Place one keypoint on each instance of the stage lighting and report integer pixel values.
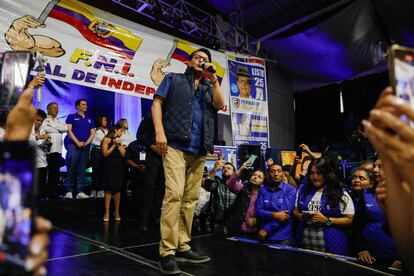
(155, 8)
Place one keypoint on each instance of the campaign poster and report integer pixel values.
(248, 100)
(228, 154)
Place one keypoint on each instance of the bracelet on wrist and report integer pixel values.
(214, 82)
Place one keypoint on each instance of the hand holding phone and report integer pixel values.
(299, 153)
(307, 215)
(401, 62)
(219, 164)
(17, 199)
(251, 160)
(14, 73)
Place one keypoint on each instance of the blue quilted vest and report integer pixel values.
(379, 243)
(336, 239)
(178, 109)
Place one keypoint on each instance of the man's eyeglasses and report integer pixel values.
(358, 176)
(200, 57)
(246, 82)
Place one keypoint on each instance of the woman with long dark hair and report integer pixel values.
(324, 209)
(126, 137)
(370, 241)
(102, 126)
(112, 169)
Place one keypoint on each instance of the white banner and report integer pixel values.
(248, 96)
(87, 46)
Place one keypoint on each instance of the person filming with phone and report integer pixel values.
(222, 197)
(18, 127)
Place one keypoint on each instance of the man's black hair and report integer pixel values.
(41, 113)
(77, 103)
(205, 51)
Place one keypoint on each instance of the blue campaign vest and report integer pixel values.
(379, 243)
(336, 239)
(178, 109)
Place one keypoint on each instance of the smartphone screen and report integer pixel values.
(14, 73)
(17, 197)
(402, 74)
(252, 158)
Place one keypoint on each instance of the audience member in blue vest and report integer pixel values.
(274, 207)
(361, 180)
(324, 209)
(370, 241)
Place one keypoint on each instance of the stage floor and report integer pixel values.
(82, 244)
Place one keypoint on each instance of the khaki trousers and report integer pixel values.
(183, 176)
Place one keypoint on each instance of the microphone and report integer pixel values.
(202, 64)
(42, 72)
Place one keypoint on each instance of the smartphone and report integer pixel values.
(299, 152)
(17, 200)
(251, 160)
(401, 63)
(308, 212)
(15, 67)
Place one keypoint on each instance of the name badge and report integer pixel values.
(142, 156)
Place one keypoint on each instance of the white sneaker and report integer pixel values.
(82, 195)
(69, 195)
(93, 193)
(101, 194)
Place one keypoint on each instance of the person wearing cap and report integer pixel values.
(183, 115)
(243, 82)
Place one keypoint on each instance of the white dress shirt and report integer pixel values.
(55, 128)
(99, 136)
(41, 161)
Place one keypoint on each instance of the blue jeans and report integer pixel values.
(77, 160)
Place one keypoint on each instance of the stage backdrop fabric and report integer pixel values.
(93, 48)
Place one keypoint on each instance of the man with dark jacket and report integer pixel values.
(183, 114)
(222, 197)
(152, 190)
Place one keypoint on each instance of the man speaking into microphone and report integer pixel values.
(183, 114)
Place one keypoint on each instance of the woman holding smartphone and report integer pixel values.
(240, 217)
(112, 169)
(324, 209)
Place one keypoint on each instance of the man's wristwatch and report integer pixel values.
(328, 222)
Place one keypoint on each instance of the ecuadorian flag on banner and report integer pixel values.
(103, 34)
(183, 51)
